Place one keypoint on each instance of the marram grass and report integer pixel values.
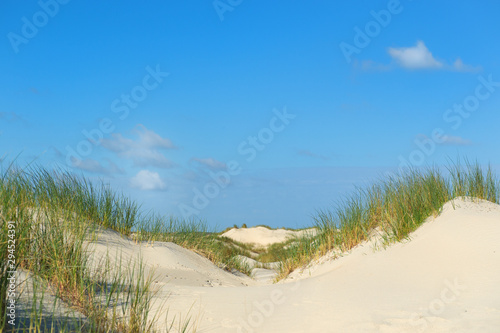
(55, 215)
(396, 205)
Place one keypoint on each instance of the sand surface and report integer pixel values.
(262, 236)
(445, 279)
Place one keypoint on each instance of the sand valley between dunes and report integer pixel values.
(445, 278)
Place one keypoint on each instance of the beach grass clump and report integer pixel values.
(395, 206)
(58, 189)
(471, 181)
(54, 215)
(408, 199)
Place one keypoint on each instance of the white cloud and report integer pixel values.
(455, 140)
(148, 181)
(143, 152)
(211, 163)
(416, 57)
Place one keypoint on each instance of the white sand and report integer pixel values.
(262, 236)
(52, 311)
(445, 279)
(172, 263)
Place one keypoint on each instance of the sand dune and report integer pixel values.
(262, 236)
(172, 263)
(445, 279)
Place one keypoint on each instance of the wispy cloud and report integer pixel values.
(210, 163)
(94, 166)
(151, 139)
(455, 141)
(459, 66)
(308, 153)
(448, 140)
(144, 151)
(148, 181)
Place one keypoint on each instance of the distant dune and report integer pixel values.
(262, 236)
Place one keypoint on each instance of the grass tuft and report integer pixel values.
(397, 206)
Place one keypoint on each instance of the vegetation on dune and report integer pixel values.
(56, 213)
(396, 205)
(194, 235)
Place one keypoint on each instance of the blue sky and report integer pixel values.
(247, 111)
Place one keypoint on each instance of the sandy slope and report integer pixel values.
(446, 279)
(172, 263)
